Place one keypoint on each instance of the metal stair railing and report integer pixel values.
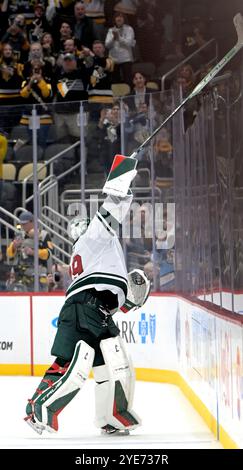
(64, 201)
(57, 236)
(49, 163)
(187, 60)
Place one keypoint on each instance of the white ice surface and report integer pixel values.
(169, 420)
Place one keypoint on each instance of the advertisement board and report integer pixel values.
(15, 338)
(147, 332)
(174, 339)
(230, 378)
(45, 314)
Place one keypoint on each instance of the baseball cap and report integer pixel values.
(26, 217)
(69, 56)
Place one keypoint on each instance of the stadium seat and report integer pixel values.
(28, 169)
(25, 153)
(52, 135)
(152, 85)
(9, 196)
(19, 132)
(120, 89)
(9, 171)
(67, 160)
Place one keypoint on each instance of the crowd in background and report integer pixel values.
(56, 54)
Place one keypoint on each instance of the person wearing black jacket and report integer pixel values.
(72, 81)
(83, 27)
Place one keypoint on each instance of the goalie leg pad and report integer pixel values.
(115, 387)
(56, 397)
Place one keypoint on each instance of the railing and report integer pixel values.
(73, 196)
(51, 180)
(187, 60)
(59, 238)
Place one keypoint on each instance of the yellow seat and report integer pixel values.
(27, 170)
(9, 171)
(163, 182)
(120, 89)
(152, 85)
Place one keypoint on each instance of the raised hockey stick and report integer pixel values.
(238, 22)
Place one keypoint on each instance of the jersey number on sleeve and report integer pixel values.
(77, 266)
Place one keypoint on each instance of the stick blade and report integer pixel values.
(238, 22)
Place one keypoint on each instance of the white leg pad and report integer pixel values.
(57, 396)
(115, 387)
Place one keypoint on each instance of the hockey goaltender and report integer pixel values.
(87, 337)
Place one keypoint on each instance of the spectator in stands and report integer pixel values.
(39, 24)
(110, 123)
(37, 89)
(128, 8)
(58, 279)
(103, 138)
(17, 38)
(72, 82)
(120, 41)
(36, 54)
(194, 38)
(65, 32)
(100, 69)
(4, 271)
(21, 251)
(163, 155)
(95, 11)
(186, 71)
(10, 86)
(149, 30)
(3, 152)
(137, 128)
(70, 47)
(13, 8)
(140, 92)
(48, 49)
(83, 26)
(59, 10)
(186, 81)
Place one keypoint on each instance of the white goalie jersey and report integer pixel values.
(97, 260)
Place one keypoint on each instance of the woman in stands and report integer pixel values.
(140, 93)
(120, 41)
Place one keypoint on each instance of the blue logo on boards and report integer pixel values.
(147, 327)
(152, 327)
(54, 322)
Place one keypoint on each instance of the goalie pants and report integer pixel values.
(81, 319)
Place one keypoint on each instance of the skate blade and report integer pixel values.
(117, 432)
(37, 427)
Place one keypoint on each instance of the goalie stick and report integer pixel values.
(238, 22)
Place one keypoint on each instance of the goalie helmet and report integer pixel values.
(78, 227)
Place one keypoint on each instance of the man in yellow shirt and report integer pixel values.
(21, 250)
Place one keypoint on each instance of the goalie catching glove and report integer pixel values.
(123, 171)
(138, 290)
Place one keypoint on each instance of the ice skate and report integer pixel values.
(38, 427)
(108, 429)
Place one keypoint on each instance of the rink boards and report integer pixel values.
(171, 339)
